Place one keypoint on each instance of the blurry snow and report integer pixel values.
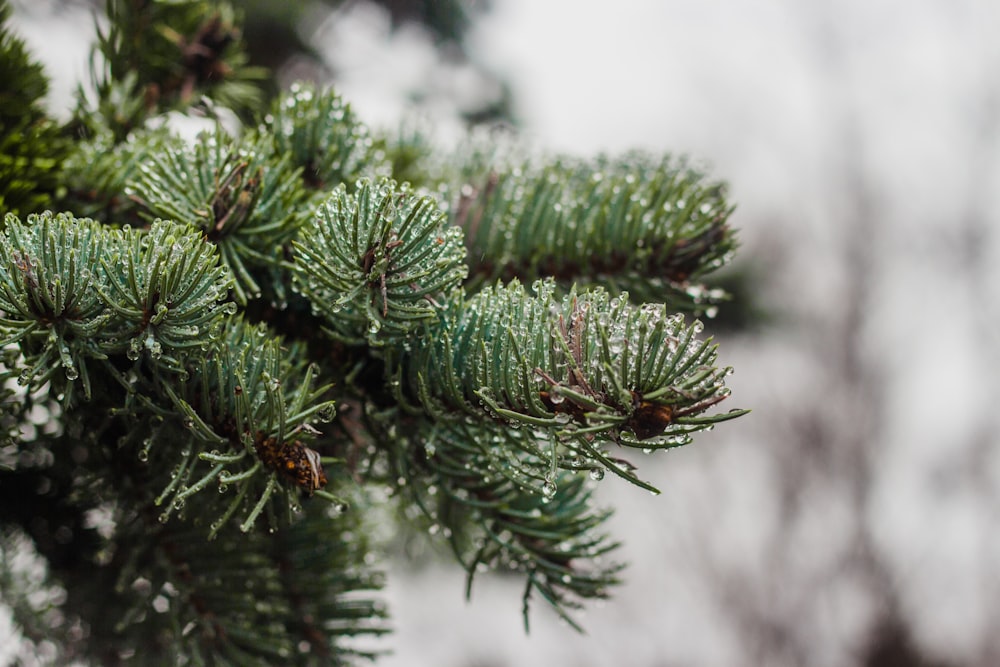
(60, 35)
(389, 75)
(860, 140)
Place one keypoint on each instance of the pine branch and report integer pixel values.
(374, 264)
(243, 197)
(158, 56)
(651, 227)
(184, 445)
(588, 368)
(48, 297)
(166, 287)
(503, 510)
(249, 410)
(323, 136)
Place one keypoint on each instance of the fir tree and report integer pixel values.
(224, 358)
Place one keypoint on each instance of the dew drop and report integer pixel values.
(597, 474)
(549, 489)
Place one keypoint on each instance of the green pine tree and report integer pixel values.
(225, 359)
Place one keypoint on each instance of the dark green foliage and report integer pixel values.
(322, 135)
(501, 508)
(578, 367)
(31, 148)
(159, 56)
(652, 227)
(136, 317)
(160, 594)
(374, 264)
(243, 196)
(49, 297)
(96, 172)
(228, 351)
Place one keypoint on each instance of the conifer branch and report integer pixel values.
(651, 227)
(323, 136)
(504, 509)
(257, 401)
(374, 264)
(241, 195)
(199, 431)
(582, 367)
(158, 56)
(49, 269)
(166, 288)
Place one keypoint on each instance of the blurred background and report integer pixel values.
(853, 518)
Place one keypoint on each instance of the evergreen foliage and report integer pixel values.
(649, 226)
(157, 56)
(320, 133)
(223, 356)
(374, 263)
(241, 195)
